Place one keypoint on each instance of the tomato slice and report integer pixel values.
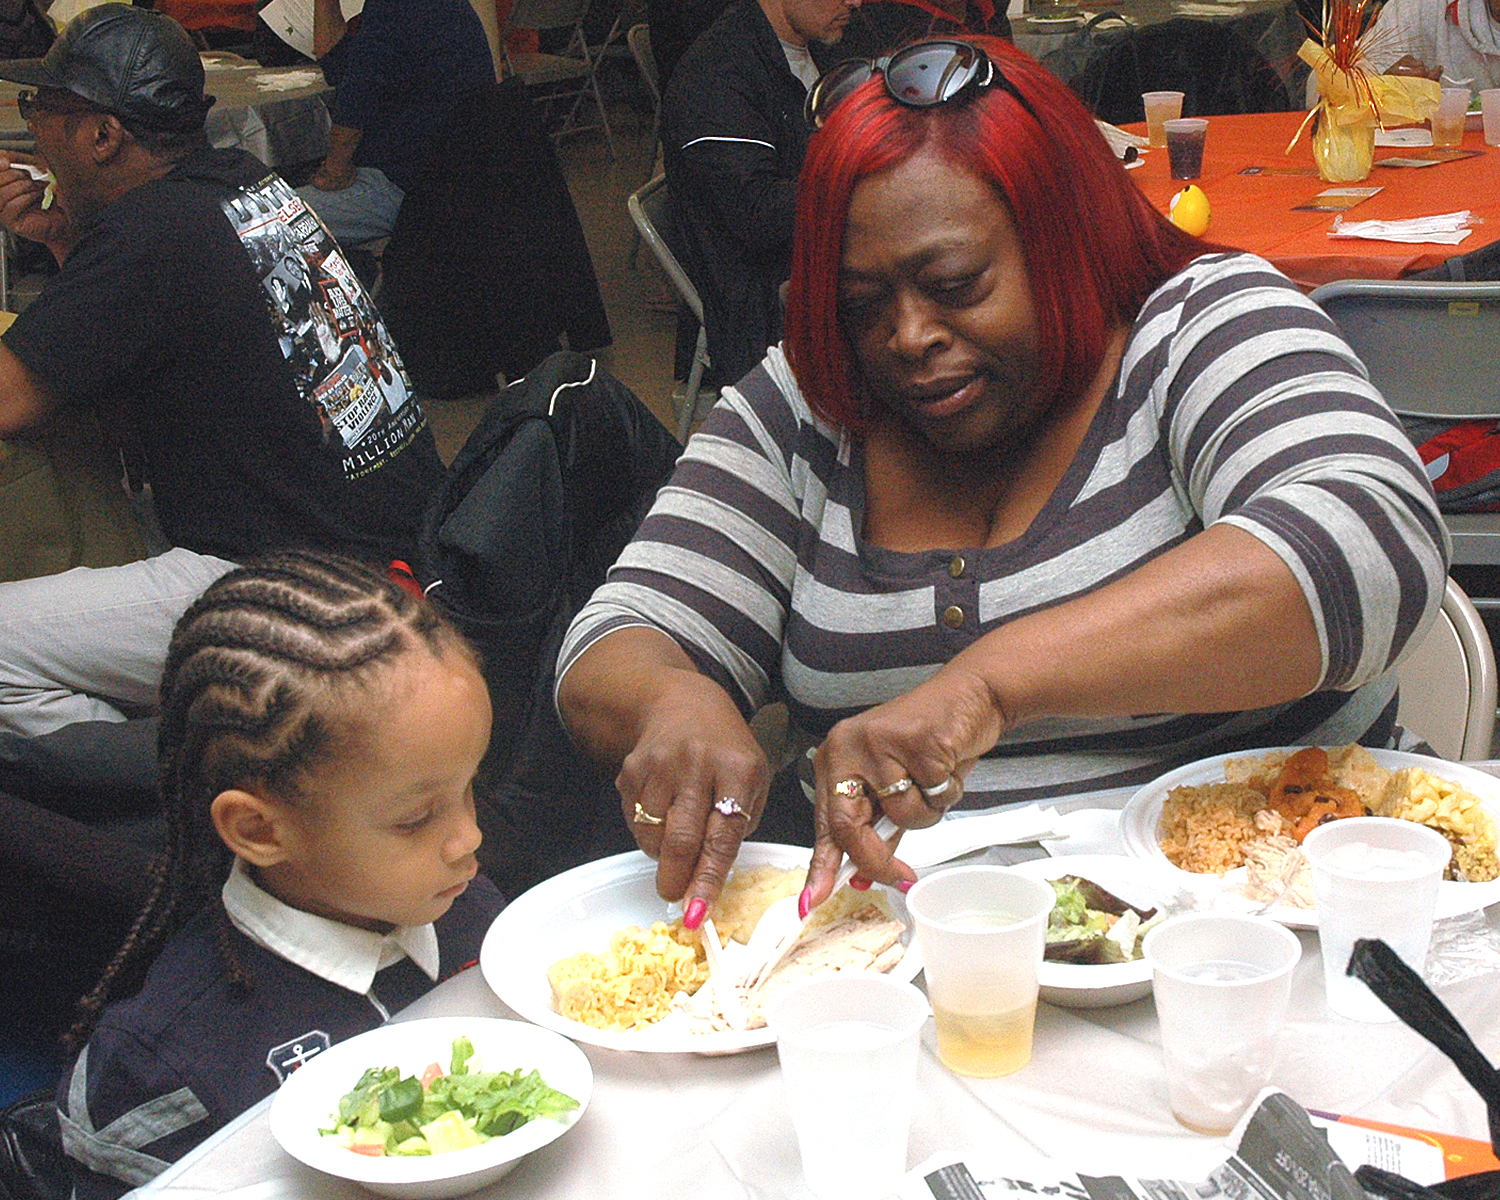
(433, 1072)
(372, 1149)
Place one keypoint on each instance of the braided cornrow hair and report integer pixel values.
(250, 694)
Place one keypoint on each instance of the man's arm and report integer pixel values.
(24, 401)
(328, 26)
(337, 171)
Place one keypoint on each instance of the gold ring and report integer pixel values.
(894, 789)
(849, 789)
(642, 817)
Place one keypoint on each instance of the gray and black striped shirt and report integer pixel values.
(1236, 402)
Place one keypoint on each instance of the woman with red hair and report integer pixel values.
(1041, 496)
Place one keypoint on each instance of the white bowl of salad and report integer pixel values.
(432, 1108)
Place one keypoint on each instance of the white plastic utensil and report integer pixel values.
(783, 926)
(37, 173)
(724, 984)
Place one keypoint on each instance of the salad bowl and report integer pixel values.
(308, 1100)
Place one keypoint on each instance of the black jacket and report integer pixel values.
(734, 140)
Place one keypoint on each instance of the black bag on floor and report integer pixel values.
(32, 1164)
(535, 508)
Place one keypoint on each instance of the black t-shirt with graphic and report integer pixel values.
(214, 313)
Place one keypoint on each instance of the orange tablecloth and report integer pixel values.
(1257, 212)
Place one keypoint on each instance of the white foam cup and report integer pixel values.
(1489, 104)
(1222, 982)
(848, 1045)
(1373, 877)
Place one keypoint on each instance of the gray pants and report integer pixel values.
(89, 644)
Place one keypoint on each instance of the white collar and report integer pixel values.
(331, 950)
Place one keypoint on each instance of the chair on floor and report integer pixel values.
(559, 81)
(1429, 346)
(639, 40)
(650, 210)
(1448, 683)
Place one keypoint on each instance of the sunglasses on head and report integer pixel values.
(922, 75)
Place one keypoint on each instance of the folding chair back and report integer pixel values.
(559, 82)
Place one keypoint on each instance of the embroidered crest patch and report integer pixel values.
(287, 1057)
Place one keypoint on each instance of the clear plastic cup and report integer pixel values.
(1448, 121)
(1489, 105)
(848, 1045)
(1185, 138)
(1160, 106)
(1373, 877)
(982, 931)
(1222, 982)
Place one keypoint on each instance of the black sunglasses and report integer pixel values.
(922, 75)
(31, 103)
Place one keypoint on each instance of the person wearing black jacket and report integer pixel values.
(734, 138)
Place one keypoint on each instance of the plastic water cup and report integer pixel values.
(1489, 102)
(1185, 137)
(1448, 121)
(982, 931)
(1160, 106)
(1222, 982)
(1373, 877)
(848, 1045)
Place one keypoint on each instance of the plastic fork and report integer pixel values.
(723, 983)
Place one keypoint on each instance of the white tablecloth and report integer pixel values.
(1094, 1096)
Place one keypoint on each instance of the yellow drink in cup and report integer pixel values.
(981, 931)
(1447, 131)
(1160, 107)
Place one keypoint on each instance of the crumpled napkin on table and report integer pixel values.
(285, 81)
(1447, 229)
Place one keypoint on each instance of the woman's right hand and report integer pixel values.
(694, 758)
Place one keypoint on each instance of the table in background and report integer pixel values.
(1258, 212)
(1093, 1096)
(1274, 27)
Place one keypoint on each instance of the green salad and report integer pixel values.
(1091, 926)
(388, 1113)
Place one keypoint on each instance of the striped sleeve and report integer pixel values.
(714, 560)
(1275, 428)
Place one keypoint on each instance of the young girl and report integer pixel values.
(320, 730)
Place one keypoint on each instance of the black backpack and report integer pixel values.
(535, 508)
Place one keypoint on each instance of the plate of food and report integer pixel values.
(1235, 821)
(432, 1108)
(1105, 905)
(596, 955)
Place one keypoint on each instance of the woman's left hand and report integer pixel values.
(906, 758)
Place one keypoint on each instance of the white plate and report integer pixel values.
(579, 909)
(1142, 814)
(1136, 881)
(307, 1100)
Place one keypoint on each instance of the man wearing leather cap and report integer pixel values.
(202, 305)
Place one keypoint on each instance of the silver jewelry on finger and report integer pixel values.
(849, 789)
(731, 807)
(929, 794)
(642, 817)
(894, 789)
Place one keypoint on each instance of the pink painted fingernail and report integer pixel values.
(859, 883)
(697, 909)
(905, 886)
(804, 903)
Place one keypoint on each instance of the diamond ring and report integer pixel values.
(731, 807)
(642, 817)
(894, 789)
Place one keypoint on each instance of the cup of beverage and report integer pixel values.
(848, 1045)
(1373, 877)
(1489, 105)
(1222, 982)
(982, 931)
(1185, 138)
(1448, 121)
(1160, 106)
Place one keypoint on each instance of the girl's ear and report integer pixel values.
(252, 827)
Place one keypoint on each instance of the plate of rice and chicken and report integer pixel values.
(596, 955)
(1240, 818)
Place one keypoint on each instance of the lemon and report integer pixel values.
(1189, 210)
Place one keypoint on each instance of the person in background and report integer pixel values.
(214, 24)
(880, 26)
(1040, 496)
(733, 139)
(161, 316)
(675, 25)
(320, 732)
(395, 75)
(1454, 41)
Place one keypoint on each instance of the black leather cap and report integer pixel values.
(139, 64)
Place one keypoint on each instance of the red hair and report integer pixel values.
(1094, 246)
